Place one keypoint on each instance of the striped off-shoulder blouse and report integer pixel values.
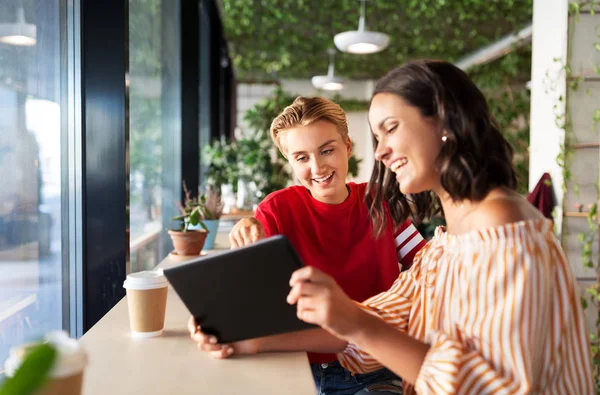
(500, 310)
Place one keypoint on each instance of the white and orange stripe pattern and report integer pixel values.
(500, 310)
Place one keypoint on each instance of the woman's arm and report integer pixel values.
(503, 352)
(320, 300)
(310, 340)
(392, 348)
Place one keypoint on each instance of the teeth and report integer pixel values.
(398, 164)
(327, 177)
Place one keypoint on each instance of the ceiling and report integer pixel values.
(278, 39)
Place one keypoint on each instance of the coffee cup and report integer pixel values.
(147, 302)
(66, 374)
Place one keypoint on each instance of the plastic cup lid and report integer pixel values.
(71, 358)
(150, 279)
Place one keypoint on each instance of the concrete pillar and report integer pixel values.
(548, 84)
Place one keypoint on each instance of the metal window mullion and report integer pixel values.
(73, 171)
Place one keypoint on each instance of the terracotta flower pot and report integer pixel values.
(188, 243)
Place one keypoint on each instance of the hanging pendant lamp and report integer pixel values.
(19, 32)
(361, 41)
(328, 82)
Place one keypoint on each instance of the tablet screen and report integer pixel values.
(241, 293)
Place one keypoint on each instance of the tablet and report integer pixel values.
(241, 293)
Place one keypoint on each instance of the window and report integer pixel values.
(153, 34)
(33, 163)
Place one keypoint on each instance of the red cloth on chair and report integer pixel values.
(542, 196)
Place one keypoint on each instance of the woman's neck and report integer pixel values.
(457, 213)
(340, 197)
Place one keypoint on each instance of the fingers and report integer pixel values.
(233, 239)
(308, 315)
(218, 351)
(192, 326)
(222, 353)
(255, 234)
(246, 231)
(208, 343)
(309, 273)
(212, 347)
(304, 290)
(202, 338)
(308, 310)
(246, 237)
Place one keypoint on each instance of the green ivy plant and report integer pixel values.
(220, 158)
(503, 83)
(274, 39)
(259, 163)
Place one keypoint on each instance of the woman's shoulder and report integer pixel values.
(503, 209)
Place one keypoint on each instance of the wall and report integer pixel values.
(549, 41)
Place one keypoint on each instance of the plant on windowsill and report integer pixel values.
(188, 241)
(211, 209)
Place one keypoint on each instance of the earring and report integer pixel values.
(444, 138)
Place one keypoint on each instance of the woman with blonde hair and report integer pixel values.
(327, 221)
(490, 304)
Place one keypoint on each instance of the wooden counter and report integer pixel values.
(172, 364)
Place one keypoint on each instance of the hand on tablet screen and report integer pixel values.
(246, 231)
(320, 300)
(210, 343)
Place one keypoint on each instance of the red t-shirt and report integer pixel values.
(338, 239)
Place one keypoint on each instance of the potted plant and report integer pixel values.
(188, 241)
(211, 209)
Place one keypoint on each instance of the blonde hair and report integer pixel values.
(305, 111)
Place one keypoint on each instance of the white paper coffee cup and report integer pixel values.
(66, 374)
(147, 302)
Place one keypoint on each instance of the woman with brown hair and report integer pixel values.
(490, 304)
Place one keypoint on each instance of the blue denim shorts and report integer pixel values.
(332, 379)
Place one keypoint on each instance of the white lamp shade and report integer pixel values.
(361, 42)
(328, 83)
(18, 33)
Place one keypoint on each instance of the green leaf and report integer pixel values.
(584, 303)
(593, 210)
(574, 8)
(195, 216)
(32, 373)
(596, 117)
(203, 225)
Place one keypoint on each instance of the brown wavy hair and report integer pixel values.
(474, 159)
